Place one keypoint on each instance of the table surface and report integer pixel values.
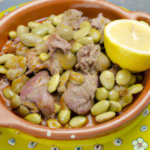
(133, 5)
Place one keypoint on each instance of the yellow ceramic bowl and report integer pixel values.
(70, 139)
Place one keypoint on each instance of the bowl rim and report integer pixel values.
(131, 113)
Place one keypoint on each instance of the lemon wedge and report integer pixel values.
(127, 43)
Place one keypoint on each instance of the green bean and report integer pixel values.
(101, 93)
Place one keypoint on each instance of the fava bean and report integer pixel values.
(41, 47)
(8, 92)
(21, 49)
(18, 83)
(65, 32)
(134, 89)
(12, 34)
(100, 107)
(53, 83)
(53, 123)
(33, 25)
(22, 30)
(23, 111)
(125, 100)
(105, 117)
(64, 116)
(133, 80)
(76, 46)
(45, 37)
(57, 108)
(107, 79)
(139, 77)
(67, 126)
(103, 63)
(121, 90)
(41, 30)
(101, 93)
(67, 60)
(113, 95)
(12, 74)
(44, 56)
(51, 18)
(63, 81)
(30, 39)
(123, 77)
(56, 19)
(34, 118)
(115, 106)
(83, 31)
(85, 40)
(15, 101)
(3, 70)
(76, 77)
(78, 121)
(5, 57)
(95, 35)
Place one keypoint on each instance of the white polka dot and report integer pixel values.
(49, 133)
(73, 136)
(134, 142)
(140, 140)
(144, 145)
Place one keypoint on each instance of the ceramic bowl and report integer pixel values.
(131, 116)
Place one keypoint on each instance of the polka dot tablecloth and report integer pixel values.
(137, 139)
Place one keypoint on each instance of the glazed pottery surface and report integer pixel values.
(104, 132)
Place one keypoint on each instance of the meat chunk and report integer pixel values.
(35, 91)
(87, 58)
(55, 42)
(35, 64)
(81, 98)
(72, 17)
(99, 23)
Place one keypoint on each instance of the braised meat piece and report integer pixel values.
(73, 18)
(81, 98)
(99, 23)
(35, 64)
(55, 42)
(35, 91)
(87, 58)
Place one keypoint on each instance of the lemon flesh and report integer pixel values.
(127, 43)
